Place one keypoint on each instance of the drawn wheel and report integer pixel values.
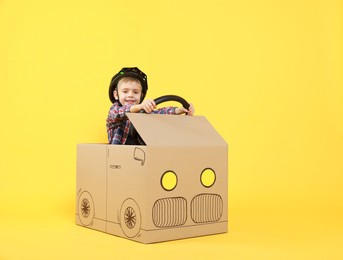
(85, 207)
(130, 218)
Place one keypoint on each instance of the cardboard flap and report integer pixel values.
(157, 129)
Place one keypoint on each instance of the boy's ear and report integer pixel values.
(115, 94)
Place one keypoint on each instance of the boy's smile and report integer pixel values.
(130, 102)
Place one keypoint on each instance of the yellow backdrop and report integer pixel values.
(267, 74)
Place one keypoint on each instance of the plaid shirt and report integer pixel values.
(118, 124)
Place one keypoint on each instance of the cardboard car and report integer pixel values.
(174, 187)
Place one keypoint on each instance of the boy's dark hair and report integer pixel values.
(133, 72)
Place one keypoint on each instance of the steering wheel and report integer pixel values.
(159, 100)
(167, 98)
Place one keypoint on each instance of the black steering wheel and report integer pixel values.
(137, 139)
(167, 98)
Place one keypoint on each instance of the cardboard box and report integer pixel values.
(175, 186)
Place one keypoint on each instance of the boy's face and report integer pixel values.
(128, 92)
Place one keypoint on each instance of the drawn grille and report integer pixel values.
(206, 208)
(169, 212)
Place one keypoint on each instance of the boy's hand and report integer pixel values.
(148, 105)
(182, 110)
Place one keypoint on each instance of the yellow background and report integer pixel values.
(267, 74)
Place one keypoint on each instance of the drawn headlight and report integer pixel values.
(169, 180)
(208, 177)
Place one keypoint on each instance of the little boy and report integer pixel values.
(127, 92)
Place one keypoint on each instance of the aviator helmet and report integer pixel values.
(133, 72)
